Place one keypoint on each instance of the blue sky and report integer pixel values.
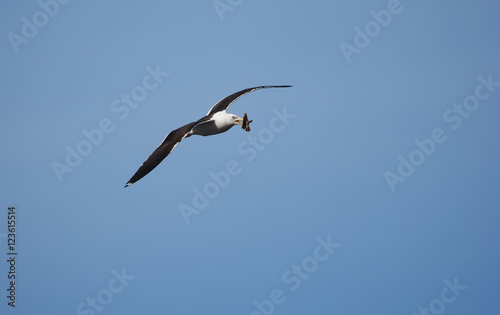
(370, 187)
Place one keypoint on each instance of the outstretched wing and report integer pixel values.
(164, 149)
(224, 103)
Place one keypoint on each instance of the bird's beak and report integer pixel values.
(239, 121)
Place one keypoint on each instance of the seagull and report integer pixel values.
(216, 121)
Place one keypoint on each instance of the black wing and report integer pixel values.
(224, 103)
(164, 149)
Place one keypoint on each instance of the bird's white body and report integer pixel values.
(220, 122)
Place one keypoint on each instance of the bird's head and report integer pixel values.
(237, 120)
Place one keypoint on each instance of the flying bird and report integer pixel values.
(216, 121)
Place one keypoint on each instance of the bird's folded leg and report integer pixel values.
(246, 123)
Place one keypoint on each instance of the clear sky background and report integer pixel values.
(369, 99)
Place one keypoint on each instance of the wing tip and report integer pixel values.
(277, 86)
(128, 184)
